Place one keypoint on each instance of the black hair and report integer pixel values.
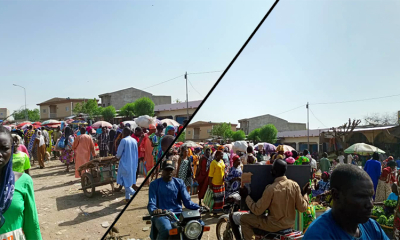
(294, 154)
(165, 125)
(160, 127)
(375, 156)
(391, 163)
(394, 189)
(249, 149)
(167, 140)
(139, 129)
(345, 176)
(126, 131)
(82, 130)
(325, 155)
(305, 152)
(280, 167)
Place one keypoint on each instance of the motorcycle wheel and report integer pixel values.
(224, 230)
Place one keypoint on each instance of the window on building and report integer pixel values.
(44, 110)
(1, 114)
(188, 132)
(208, 130)
(66, 109)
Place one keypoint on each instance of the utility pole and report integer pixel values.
(26, 112)
(187, 98)
(308, 127)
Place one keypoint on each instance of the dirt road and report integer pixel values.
(131, 225)
(64, 211)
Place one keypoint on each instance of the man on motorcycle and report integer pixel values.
(281, 199)
(167, 193)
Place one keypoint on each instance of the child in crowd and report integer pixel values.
(394, 195)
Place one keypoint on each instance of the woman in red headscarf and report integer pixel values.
(385, 182)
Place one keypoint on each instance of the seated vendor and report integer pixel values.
(394, 195)
(322, 186)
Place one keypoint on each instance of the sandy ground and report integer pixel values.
(131, 225)
(64, 211)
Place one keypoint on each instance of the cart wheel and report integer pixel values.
(117, 187)
(88, 186)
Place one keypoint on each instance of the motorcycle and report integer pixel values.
(187, 227)
(226, 233)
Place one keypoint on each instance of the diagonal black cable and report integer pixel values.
(201, 95)
(201, 104)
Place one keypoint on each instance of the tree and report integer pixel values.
(268, 133)
(238, 135)
(90, 107)
(178, 101)
(33, 115)
(385, 119)
(254, 135)
(340, 133)
(143, 106)
(182, 137)
(128, 110)
(222, 130)
(108, 113)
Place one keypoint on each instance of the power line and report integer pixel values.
(163, 82)
(290, 110)
(359, 100)
(205, 72)
(195, 89)
(179, 77)
(317, 118)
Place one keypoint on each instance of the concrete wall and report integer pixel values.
(203, 134)
(297, 126)
(120, 98)
(260, 121)
(174, 113)
(160, 100)
(4, 112)
(298, 140)
(61, 111)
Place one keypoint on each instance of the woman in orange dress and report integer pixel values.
(83, 147)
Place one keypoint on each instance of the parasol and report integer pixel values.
(191, 144)
(101, 124)
(51, 122)
(363, 149)
(269, 148)
(76, 122)
(287, 148)
(69, 121)
(23, 124)
(171, 122)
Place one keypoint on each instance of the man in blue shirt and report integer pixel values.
(167, 193)
(374, 167)
(349, 218)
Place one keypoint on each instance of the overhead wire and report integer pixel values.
(195, 89)
(317, 118)
(290, 110)
(359, 100)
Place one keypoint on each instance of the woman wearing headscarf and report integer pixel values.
(31, 149)
(322, 186)
(216, 181)
(148, 160)
(83, 148)
(185, 170)
(387, 178)
(18, 214)
(202, 175)
(67, 154)
(40, 144)
(169, 130)
(21, 161)
(289, 159)
(233, 179)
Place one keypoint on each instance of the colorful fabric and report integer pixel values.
(21, 217)
(234, 186)
(209, 199)
(185, 172)
(219, 195)
(6, 190)
(217, 172)
(373, 168)
(66, 156)
(83, 148)
(30, 145)
(383, 190)
(202, 177)
(168, 128)
(21, 162)
(323, 186)
(393, 196)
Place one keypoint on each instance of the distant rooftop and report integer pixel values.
(177, 106)
(61, 100)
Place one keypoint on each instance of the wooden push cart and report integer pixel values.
(99, 172)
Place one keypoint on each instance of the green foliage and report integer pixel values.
(255, 135)
(128, 110)
(382, 220)
(108, 113)
(377, 211)
(182, 137)
(33, 115)
(268, 133)
(238, 135)
(90, 107)
(143, 106)
(390, 221)
(222, 130)
(390, 203)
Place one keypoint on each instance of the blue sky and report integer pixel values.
(86, 48)
(316, 51)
